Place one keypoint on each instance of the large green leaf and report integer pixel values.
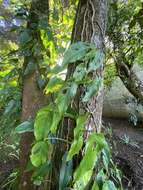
(64, 99)
(39, 153)
(26, 126)
(78, 140)
(75, 148)
(99, 139)
(91, 154)
(76, 52)
(92, 89)
(86, 165)
(43, 123)
(80, 123)
(65, 172)
(55, 122)
(79, 73)
(83, 181)
(63, 102)
(96, 62)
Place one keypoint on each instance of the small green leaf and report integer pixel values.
(71, 92)
(96, 62)
(12, 74)
(78, 140)
(26, 126)
(39, 153)
(91, 54)
(9, 107)
(42, 170)
(65, 172)
(75, 148)
(80, 123)
(54, 85)
(24, 37)
(95, 186)
(101, 177)
(109, 185)
(106, 157)
(92, 89)
(56, 119)
(79, 73)
(43, 123)
(63, 102)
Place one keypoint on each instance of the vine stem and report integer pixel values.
(59, 139)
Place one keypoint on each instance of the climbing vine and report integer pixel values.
(49, 119)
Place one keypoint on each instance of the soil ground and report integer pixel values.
(128, 151)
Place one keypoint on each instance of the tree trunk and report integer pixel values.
(89, 26)
(32, 96)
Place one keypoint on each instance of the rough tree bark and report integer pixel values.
(89, 26)
(32, 96)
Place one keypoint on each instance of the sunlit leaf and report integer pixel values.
(95, 186)
(43, 123)
(54, 85)
(55, 122)
(75, 148)
(39, 153)
(83, 181)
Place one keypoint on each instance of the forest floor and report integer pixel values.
(127, 142)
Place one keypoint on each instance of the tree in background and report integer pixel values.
(32, 96)
(125, 34)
